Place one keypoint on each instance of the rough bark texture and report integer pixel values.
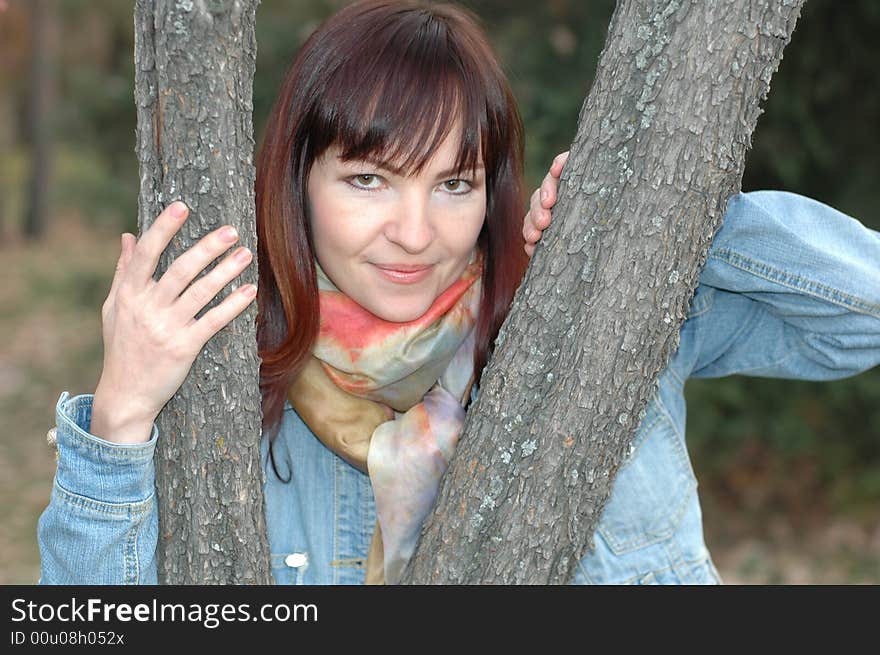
(194, 62)
(660, 147)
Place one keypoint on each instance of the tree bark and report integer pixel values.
(660, 148)
(194, 62)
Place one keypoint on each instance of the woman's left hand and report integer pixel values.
(538, 217)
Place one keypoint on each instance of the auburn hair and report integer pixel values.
(383, 80)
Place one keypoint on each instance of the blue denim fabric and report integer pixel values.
(791, 289)
(101, 524)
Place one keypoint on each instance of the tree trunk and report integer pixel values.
(660, 147)
(38, 121)
(194, 69)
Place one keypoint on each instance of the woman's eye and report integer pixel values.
(457, 187)
(364, 181)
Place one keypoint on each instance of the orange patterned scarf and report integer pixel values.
(388, 398)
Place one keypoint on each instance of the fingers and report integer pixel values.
(531, 232)
(558, 163)
(207, 287)
(154, 241)
(543, 199)
(536, 220)
(550, 183)
(221, 315)
(190, 264)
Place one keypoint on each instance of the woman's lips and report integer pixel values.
(409, 276)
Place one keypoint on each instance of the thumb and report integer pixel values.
(128, 243)
(124, 256)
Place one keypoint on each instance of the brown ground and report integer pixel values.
(50, 341)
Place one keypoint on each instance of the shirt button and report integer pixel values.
(296, 560)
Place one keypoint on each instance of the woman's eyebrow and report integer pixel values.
(455, 171)
(371, 161)
(387, 167)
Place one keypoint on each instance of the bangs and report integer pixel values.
(397, 95)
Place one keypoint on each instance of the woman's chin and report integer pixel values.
(399, 313)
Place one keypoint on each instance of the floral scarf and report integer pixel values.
(389, 399)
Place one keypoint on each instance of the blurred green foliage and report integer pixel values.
(818, 136)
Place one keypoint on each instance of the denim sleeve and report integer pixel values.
(101, 524)
(790, 289)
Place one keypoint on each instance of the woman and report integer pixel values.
(389, 221)
(387, 191)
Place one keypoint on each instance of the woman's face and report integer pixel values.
(366, 222)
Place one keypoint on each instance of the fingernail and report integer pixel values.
(178, 209)
(544, 194)
(228, 233)
(243, 255)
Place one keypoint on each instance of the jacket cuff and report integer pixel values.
(95, 468)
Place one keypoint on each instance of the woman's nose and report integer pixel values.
(410, 226)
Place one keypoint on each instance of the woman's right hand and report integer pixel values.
(151, 336)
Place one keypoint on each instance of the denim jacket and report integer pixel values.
(790, 289)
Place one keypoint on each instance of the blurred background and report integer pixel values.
(789, 471)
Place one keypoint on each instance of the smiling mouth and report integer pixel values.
(404, 275)
(404, 268)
